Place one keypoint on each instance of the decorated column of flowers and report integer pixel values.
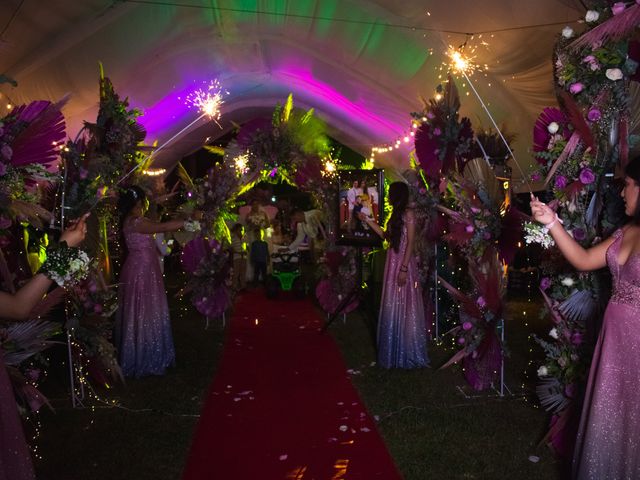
(577, 147)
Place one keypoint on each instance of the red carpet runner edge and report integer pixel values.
(282, 405)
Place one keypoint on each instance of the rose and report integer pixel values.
(545, 283)
(594, 115)
(576, 87)
(6, 152)
(592, 16)
(587, 176)
(553, 128)
(579, 234)
(561, 182)
(576, 338)
(567, 32)
(553, 333)
(469, 228)
(543, 371)
(567, 281)
(467, 326)
(618, 7)
(614, 74)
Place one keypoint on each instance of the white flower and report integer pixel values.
(592, 16)
(537, 233)
(192, 226)
(567, 282)
(614, 74)
(553, 127)
(543, 371)
(567, 32)
(553, 333)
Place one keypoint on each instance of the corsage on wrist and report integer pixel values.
(404, 268)
(65, 265)
(192, 226)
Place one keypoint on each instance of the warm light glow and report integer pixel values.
(329, 166)
(208, 100)
(154, 172)
(242, 163)
(438, 97)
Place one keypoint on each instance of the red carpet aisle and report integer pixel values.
(282, 405)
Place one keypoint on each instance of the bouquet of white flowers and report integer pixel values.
(192, 226)
(65, 265)
(537, 233)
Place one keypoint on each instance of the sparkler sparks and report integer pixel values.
(208, 100)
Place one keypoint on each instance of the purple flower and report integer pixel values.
(469, 228)
(486, 235)
(461, 340)
(594, 115)
(589, 59)
(84, 173)
(430, 116)
(437, 132)
(422, 191)
(576, 87)
(6, 152)
(3, 169)
(561, 182)
(617, 8)
(587, 176)
(481, 302)
(576, 338)
(579, 234)
(467, 326)
(5, 223)
(97, 308)
(536, 177)
(545, 283)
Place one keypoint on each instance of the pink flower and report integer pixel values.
(469, 228)
(587, 177)
(461, 340)
(618, 7)
(545, 283)
(594, 115)
(84, 173)
(481, 302)
(576, 87)
(576, 338)
(467, 326)
(536, 177)
(437, 132)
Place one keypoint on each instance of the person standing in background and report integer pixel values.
(259, 257)
(239, 252)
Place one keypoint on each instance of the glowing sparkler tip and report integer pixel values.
(209, 100)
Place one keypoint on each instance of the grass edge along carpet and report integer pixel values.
(282, 405)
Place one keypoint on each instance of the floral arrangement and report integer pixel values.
(576, 146)
(442, 140)
(29, 138)
(209, 267)
(65, 265)
(537, 233)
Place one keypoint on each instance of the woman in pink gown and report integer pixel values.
(402, 334)
(15, 459)
(143, 328)
(609, 434)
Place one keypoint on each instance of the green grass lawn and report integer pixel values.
(431, 428)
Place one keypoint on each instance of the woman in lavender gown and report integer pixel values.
(143, 328)
(609, 433)
(402, 336)
(15, 459)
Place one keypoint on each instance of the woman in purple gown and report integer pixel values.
(143, 328)
(609, 433)
(15, 459)
(402, 335)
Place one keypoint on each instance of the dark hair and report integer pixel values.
(128, 199)
(237, 227)
(632, 170)
(398, 199)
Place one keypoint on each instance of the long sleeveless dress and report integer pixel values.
(15, 459)
(608, 442)
(143, 328)
(402, 334)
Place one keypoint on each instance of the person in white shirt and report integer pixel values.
(310, 226)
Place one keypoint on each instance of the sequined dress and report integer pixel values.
(15, 459)
(143, 328)
(609, 436)
(402, 335)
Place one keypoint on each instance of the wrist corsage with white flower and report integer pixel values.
(65, 265)
(538, 233)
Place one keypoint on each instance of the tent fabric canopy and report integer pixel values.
(363, 65)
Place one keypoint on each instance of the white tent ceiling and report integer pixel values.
(363, 65)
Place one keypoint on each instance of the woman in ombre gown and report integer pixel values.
(609, 434)
(402, 335)
(143, 327)
(15, 459)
